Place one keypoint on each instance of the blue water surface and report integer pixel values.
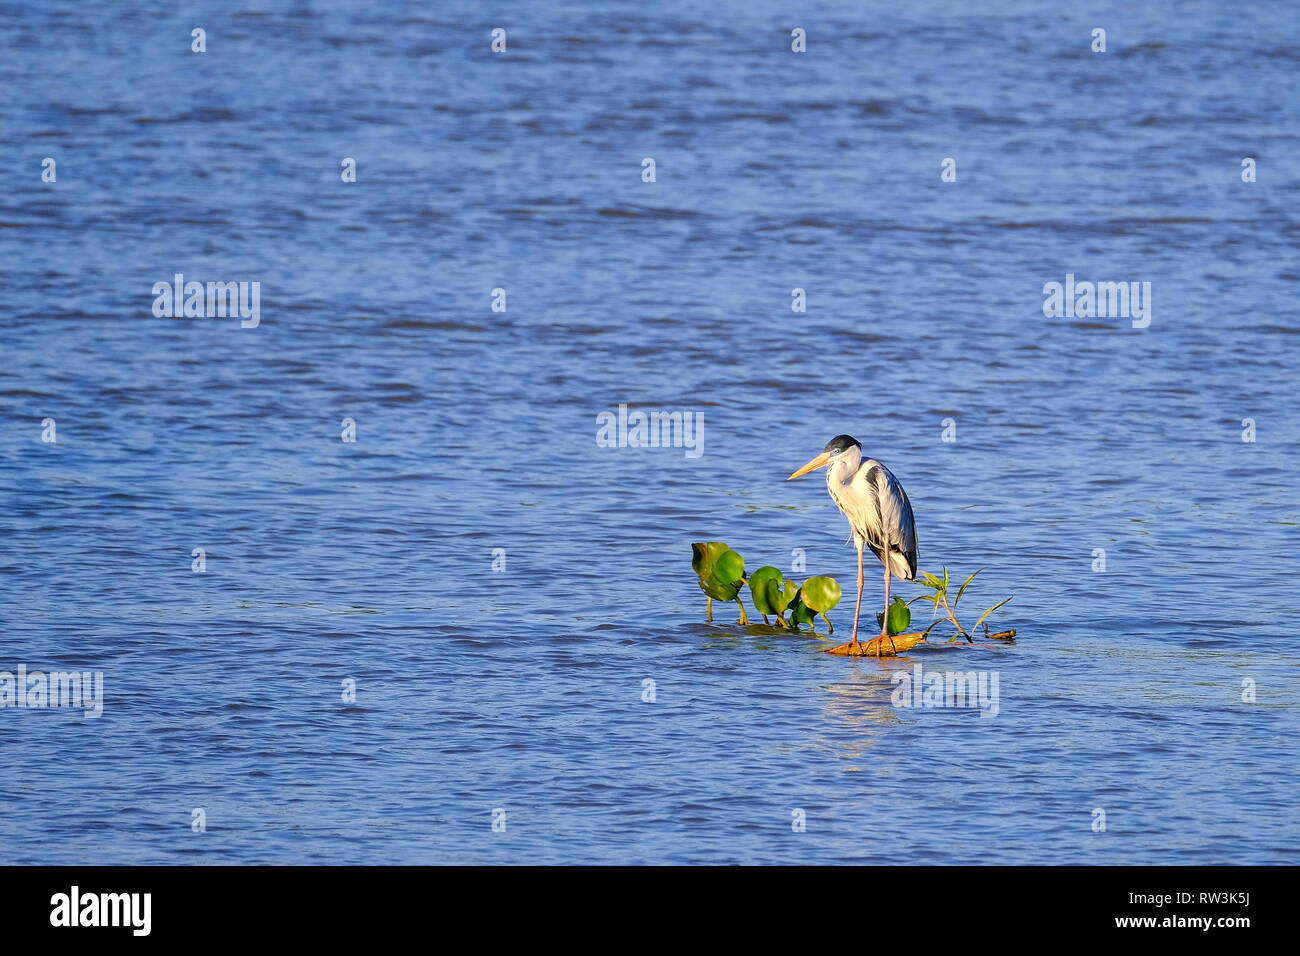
(1128, 690)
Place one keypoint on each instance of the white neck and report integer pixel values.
(845, 466)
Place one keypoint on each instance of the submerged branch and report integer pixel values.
(892, 646)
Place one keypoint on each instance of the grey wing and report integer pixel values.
(894, 517)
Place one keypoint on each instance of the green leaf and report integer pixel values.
(790, 593)
(931, 581)
(719, 590)
(705, 555)
(963, 588)
(765, 584)
(784, 599)
(821, 593)
(945, 577)
(800, 613)
(730, 567)
(727, 579)
(899, 617)
(988, 612)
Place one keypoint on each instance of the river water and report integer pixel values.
(1160, 691)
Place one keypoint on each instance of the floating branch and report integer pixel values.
(890, 646)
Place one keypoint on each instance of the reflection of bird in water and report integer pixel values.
(854, 704)
(878, 511)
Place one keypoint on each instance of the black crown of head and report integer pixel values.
(839, 443)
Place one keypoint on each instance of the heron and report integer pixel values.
(878, 512)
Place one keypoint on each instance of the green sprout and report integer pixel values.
(940, 599)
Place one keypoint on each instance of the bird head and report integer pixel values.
(836, 447)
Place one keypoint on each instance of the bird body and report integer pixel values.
(877, 509)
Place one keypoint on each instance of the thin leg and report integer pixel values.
(854, 646)
(884, 620)
(884, 625)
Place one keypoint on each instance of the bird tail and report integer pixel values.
(901, 567)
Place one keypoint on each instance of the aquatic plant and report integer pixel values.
(721, 572)
(940, 597)
(722, 577)
(900, 616)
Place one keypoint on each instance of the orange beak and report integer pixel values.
(818, 462)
